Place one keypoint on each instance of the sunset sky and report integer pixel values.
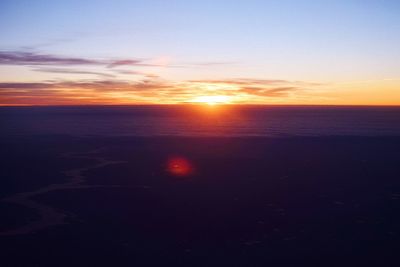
(336, 52)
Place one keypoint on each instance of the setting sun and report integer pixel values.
(212, 100)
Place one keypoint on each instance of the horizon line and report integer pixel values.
(199, 104)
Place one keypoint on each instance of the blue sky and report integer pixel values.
(321, 41)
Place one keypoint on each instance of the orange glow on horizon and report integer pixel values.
(210, 93)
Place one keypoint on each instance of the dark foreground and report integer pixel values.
(304, 201)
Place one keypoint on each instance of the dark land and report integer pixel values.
(251, 201)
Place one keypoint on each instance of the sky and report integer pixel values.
(327, 52)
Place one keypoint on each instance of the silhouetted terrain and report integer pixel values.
(250, 201)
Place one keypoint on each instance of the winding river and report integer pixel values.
(50, 216)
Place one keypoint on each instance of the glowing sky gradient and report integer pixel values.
(165, 52)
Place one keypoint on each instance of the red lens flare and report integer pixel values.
(179, 166)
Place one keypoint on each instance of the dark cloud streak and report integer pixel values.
(69, 71)
(38, 59)
(31, 58)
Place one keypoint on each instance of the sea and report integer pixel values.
(200, 120)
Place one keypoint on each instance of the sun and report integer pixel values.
(212, 99)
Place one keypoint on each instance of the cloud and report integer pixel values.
(148, 90)
(242, 81)
(38, 59)
(31, 58)
(125, 62)
(211, 63)
(257, 82)
(30, 86)
(70, 71)
(274, 92)
(256, 87)
(86, 92)
(94, 86)
(106, 68)
(134, 72)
